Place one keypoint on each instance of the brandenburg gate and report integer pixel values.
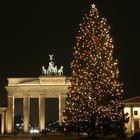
(52, 84)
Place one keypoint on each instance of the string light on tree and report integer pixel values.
(94, 102)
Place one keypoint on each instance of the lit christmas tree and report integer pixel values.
(94, 102)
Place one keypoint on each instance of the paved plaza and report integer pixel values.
(54, 137)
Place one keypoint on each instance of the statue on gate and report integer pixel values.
(51, 57)
(44, 71)
(52, 69)
(60, 71)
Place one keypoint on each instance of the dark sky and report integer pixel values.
(30, 30)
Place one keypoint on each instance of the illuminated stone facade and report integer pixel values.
(3, 113)
(41, 88)
(50, 87)
(132, 107)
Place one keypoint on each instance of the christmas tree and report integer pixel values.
(94, 101)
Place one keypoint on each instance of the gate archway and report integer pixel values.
(41, 88)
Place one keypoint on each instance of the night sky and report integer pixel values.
(30, 30)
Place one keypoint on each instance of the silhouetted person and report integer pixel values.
(65, 131)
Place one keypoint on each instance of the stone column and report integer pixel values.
(60, 110)
(61, 107)
(10, 115)
(131, 119)
(41, 112)
(2, 122)
(26, 113)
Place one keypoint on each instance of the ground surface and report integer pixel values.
(54, 137)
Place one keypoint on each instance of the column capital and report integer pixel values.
(42, 95)
(26, 96)
(62, 95)
(10, 96)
